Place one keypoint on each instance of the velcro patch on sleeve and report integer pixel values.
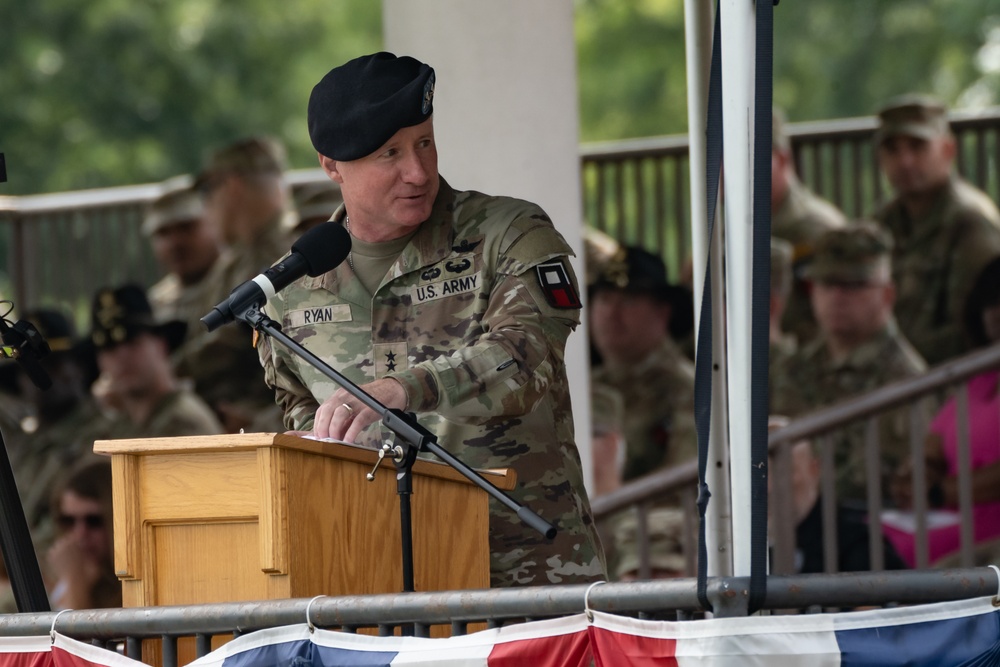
(556, 284)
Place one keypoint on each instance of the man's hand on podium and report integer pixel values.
(342, 417)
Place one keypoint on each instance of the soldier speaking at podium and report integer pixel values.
(453, 305)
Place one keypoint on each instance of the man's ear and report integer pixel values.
(329, 166)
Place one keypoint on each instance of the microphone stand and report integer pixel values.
(410, 439)
(15, 540)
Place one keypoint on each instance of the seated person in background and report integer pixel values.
(666, 546)
(799, 217)
(859, 349)
(63, 423)
(246, 202)
(315, 204)
(133, 354)
(982, 322)
(632, 307)
(945, 229)
(81, 561)
(853, 544)
(186, 247)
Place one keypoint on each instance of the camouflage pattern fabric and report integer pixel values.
(173, 301)
(811, 379)
(801, 219)
(223, 364)
(659, 409)
(462, 321)
(179, 413)
(935, 262)
(38, 459)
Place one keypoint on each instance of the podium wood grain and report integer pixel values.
(271, 516)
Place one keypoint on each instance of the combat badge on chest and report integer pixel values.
(455, 275)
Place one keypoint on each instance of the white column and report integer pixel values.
(738, 41)
(698, 16)
(505, 117)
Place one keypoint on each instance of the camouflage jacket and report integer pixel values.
(935, 262)
(223, 363)
(173, 301)
(801, 218)
(811, 379)
(178, 413)
(463, 322)
(658, 393)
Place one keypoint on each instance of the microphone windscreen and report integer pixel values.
(323, 247)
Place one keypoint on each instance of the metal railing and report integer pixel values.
(60, 248)
(456, 610)
(680, 482)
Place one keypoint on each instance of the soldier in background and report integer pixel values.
(782, 344)
(63, 423)
(133, 354)
(453, 305)
(315, 204)
(631, 307)
(246, 200)
(945, 229)
(667, 559)
(800, 217)
(186, 247)
(859, 349)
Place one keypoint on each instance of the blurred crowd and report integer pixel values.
(855, 305)
(147, 368)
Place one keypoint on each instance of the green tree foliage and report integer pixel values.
(832, 59)
(109, 92)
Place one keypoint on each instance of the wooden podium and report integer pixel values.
(264, 516)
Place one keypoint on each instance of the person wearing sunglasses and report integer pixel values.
(81, 559)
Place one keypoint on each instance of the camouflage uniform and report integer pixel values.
(45, 455)
(810, 379)
(800, 219)
(463, 323)
(935, 262)
(178, 413)
(659, 409)
(223, 363)
(173, 301)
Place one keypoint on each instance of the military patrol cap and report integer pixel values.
(666, 542)
(316, 202)
(179, 203)
(857, 253)
(253, 155)
(358, 106)
(120, 314)
(912, 115)
(782, 253)
(779, 138)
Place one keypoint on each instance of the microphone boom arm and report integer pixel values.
(404, 425)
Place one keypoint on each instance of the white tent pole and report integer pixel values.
(738, 42)
(698, 17)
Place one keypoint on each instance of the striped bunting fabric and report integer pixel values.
(60, 652)
(953, 634)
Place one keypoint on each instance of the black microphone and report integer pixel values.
(27, 347)
(319, 250)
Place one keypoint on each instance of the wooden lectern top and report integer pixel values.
(504, 478)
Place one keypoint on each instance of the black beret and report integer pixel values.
(358, 106)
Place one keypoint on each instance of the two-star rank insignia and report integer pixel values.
(557, 286)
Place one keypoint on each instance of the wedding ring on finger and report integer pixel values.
(349, 408)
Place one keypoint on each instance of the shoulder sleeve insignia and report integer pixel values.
(557, 286)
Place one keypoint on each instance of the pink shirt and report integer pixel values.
(984, 448)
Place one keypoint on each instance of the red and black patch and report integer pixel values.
(557, 286)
